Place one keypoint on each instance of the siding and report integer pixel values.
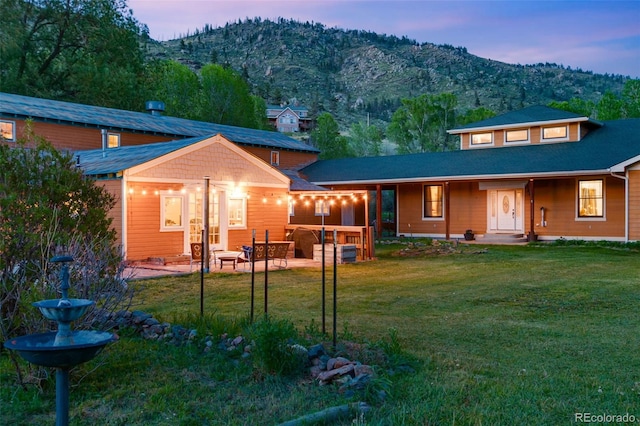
(75, 138)
(288, 159)
(634, 205)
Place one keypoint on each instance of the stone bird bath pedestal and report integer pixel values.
(65, 348)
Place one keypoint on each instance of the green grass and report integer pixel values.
(511, 335)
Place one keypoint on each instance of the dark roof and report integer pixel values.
(610, 145)
(300, 184)
(98, 162)
(532, 114)
(121, 120)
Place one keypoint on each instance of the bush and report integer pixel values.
(274, 347)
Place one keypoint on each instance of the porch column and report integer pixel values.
(532, 234)
(447, 210)
(379, 211)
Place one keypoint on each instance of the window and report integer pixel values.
(292, 208)
(482, 139)
(171, 213)
(7, 130)
(433, 201)
(521, 135)
(558, 132)
(113, 140)
(275, 158)
(323, 208)
(590, 198)
(237, 213)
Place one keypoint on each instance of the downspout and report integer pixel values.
(125, 215)
(626, 202)
(532, 233)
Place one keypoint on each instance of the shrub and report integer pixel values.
(273, 347)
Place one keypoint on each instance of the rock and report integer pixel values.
(329, 375)
(237, 341)
(361, 369)
(316, 351)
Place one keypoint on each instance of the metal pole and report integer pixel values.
(62, 397)
(253, 270)
(324, 329)
(335, 288)
(205, 222)
(202, 278)
(266, 271)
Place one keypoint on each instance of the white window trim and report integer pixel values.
(116, 135)
(178, 228)
(602, 218)
(543, 139)
(523, 141)
(277, 156)
(432, 218)
(13, 130)
(243, 219)
(322, 208)
(480, 145)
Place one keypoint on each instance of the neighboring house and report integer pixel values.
(289, 119)
(538, 172)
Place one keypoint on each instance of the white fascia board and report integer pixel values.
(621, 167)
(467, 178)
(516, 125)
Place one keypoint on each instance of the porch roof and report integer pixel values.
(47, 110)
(615, 143)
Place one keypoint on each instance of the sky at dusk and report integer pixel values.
(598, 36)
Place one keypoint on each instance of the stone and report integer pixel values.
(329, 375)
(237, 341)
(316, 351)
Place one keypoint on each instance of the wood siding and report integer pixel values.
(67, 137)
(468, 210)
(634, 205)
(288, 159)
(535, 137)
(115, 214)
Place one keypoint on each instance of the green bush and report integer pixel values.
(274, 348)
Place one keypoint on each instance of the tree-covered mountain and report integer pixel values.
(358, 75)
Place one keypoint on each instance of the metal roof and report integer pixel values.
(99, 162)
(122, 120)
(614, 143)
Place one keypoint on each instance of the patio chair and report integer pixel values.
(196, 255)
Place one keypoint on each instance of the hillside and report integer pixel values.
(354, 74)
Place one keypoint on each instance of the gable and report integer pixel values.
(215, 157)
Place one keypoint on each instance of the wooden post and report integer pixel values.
(447, 210)
(379, 211)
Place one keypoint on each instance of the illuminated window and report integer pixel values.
(171, 213)
(590, 198)
(517, 135)
(482, 139)
(113, 140)
(7, 130)
(237, 213)
(292, 208)
(433, 201)
(323, 208)
(558, 132)
(275, 158)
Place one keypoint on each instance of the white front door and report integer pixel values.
(506, 210)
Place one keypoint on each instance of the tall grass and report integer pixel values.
(507, 335)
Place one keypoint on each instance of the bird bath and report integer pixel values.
(65, 348)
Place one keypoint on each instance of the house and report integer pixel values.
(158, 168)
(289, 119)
(538, 172)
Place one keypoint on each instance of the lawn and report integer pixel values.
(495, 335)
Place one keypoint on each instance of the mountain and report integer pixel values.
(356, 75)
